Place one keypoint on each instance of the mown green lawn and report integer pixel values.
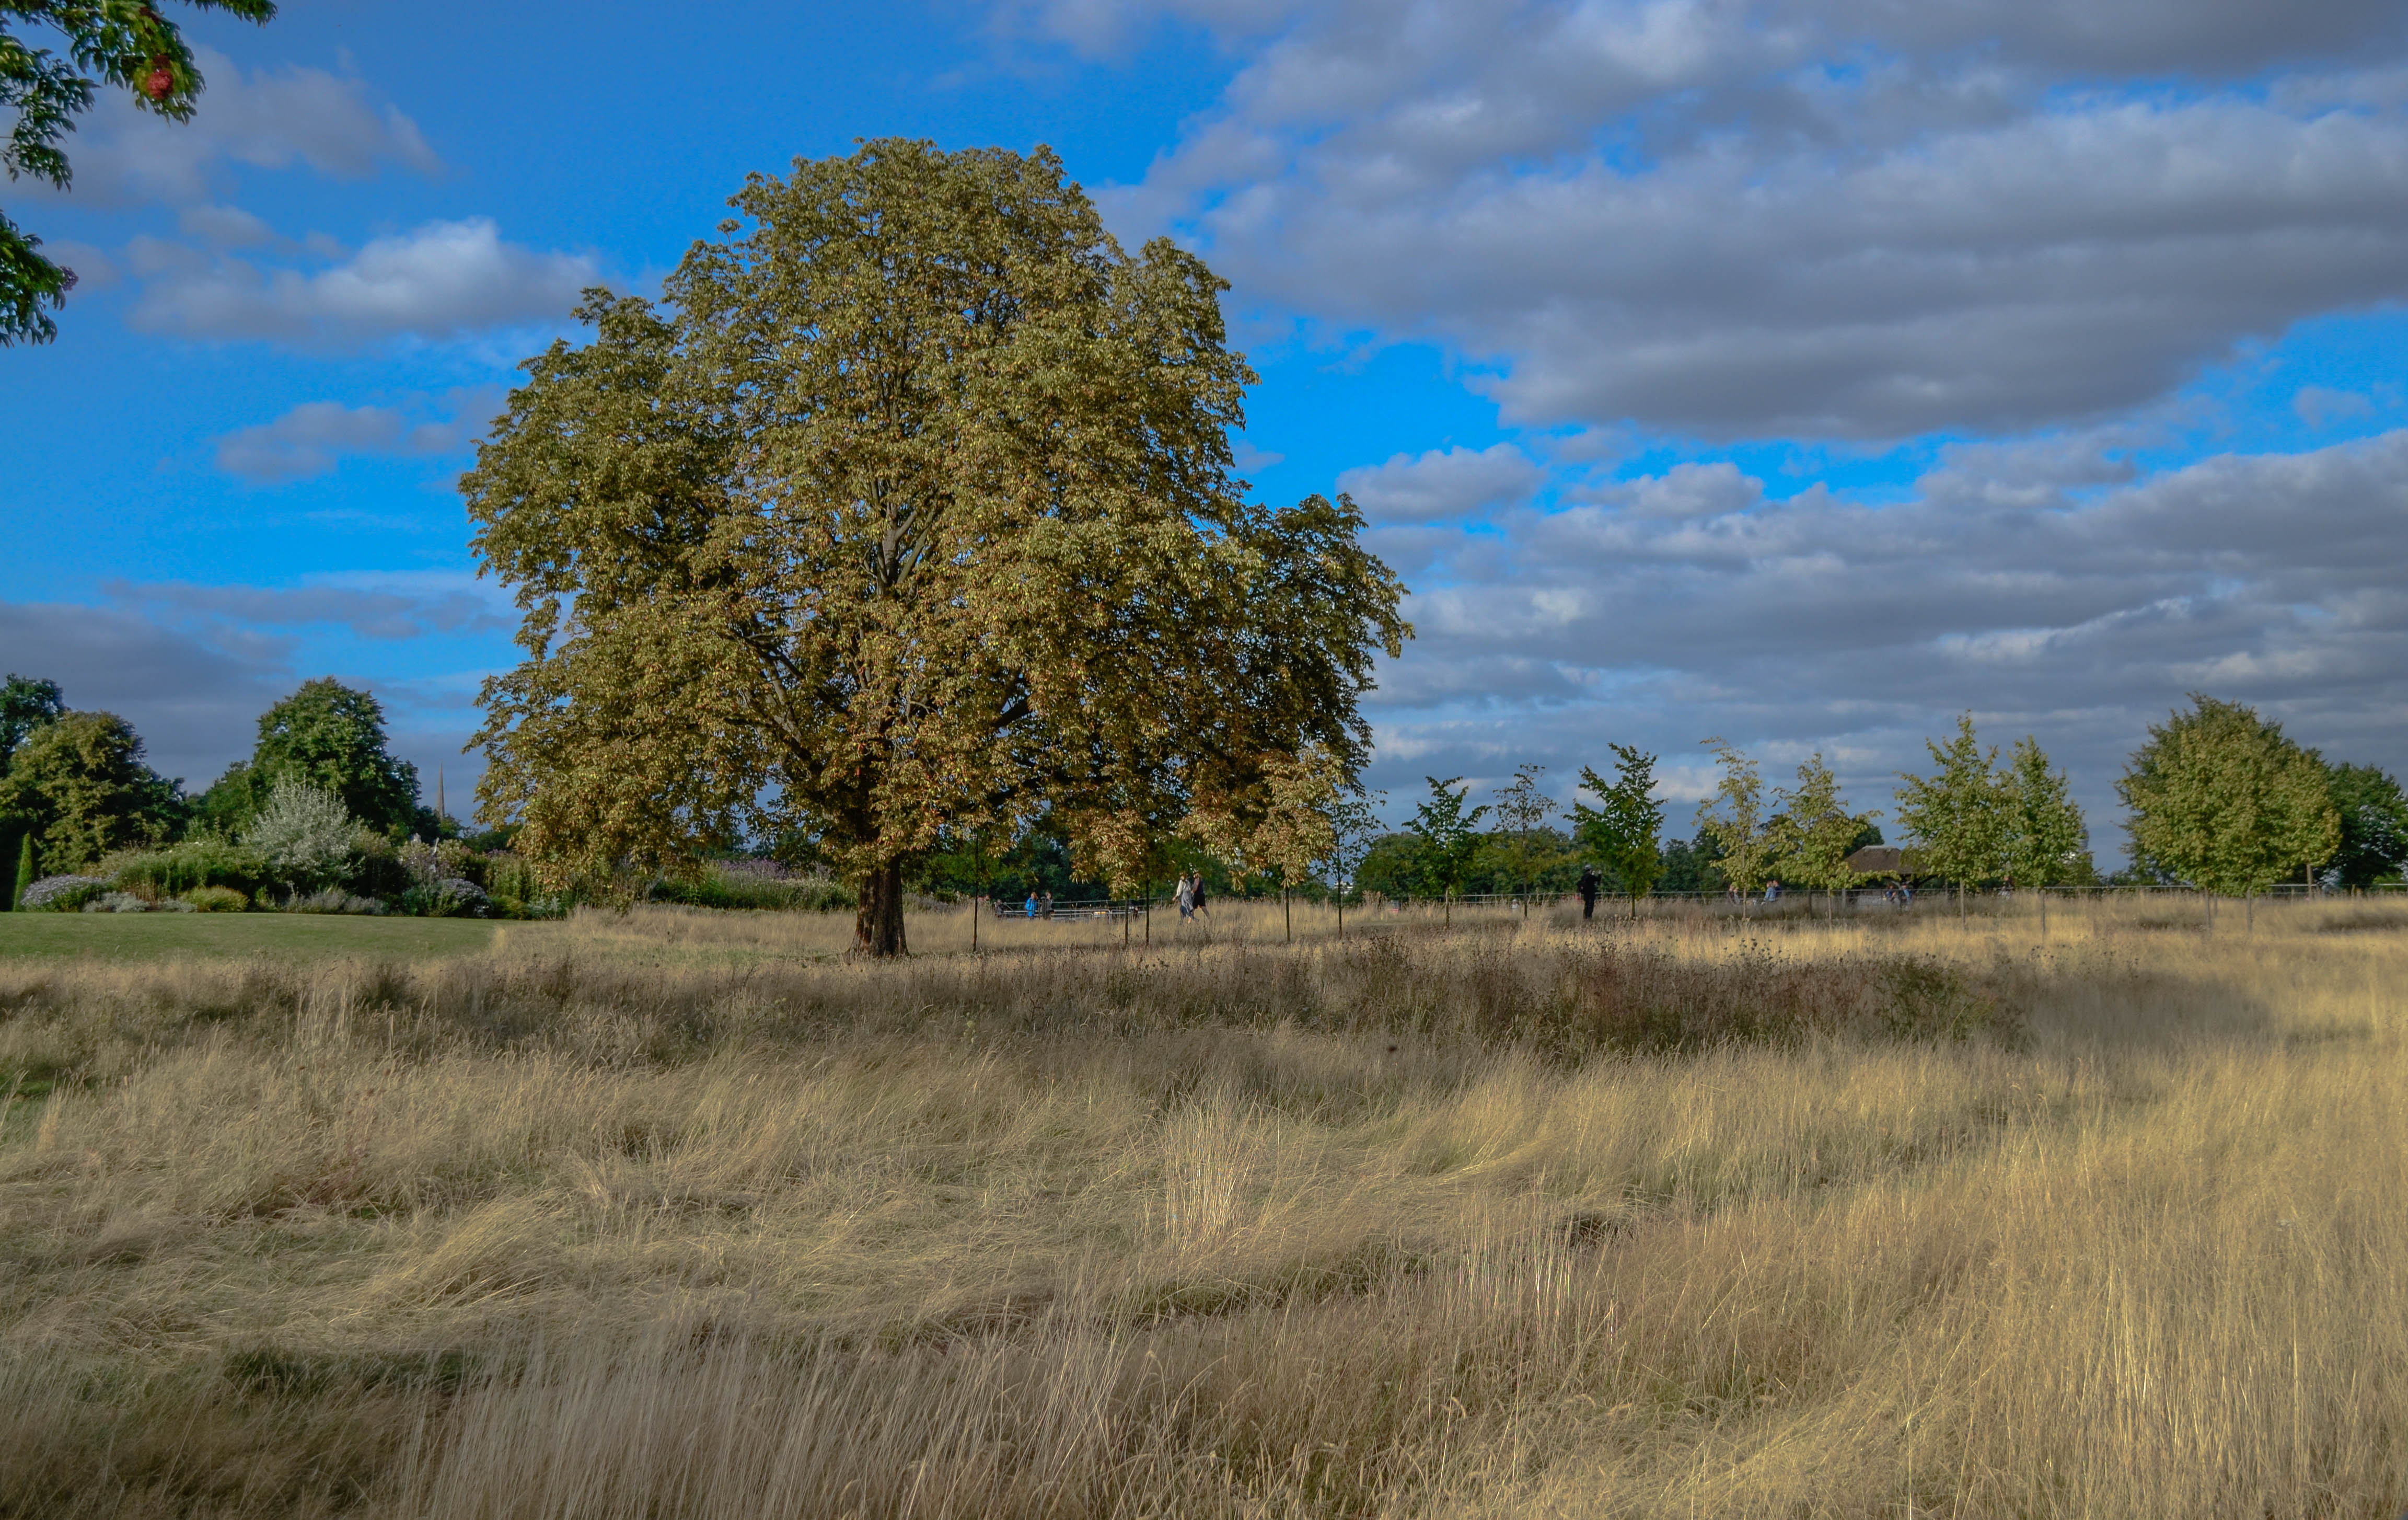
(298, 936)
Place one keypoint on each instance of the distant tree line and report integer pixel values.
(2218, 797)
(320, 806)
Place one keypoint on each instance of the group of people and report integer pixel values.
(1190, 896)
(1040, 905)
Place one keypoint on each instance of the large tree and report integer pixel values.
(120, 42)
(2221, 799)
(908, 510)
(80, 784)
(331, 738)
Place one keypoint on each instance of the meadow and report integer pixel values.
(685, 1213)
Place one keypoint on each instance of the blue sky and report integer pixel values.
(1797, 373)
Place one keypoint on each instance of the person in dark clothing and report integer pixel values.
(1590, 884)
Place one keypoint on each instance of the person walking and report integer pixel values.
(1590, 884)
(1186, 896)
(1030, 906)
(1199, 892)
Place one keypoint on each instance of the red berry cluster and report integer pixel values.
(161, 81)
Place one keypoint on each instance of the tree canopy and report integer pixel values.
(2374, 826)
(908, 510)
(1733, 818)
(1955, 814)
(1975, 821)
(1625, 829)
(25, 704)
(329, 736)
(81, 784)
(1444, 838)
(120, 42)
(2219, 798)
(1814, 834)
(1521, 810)
(2043, 841)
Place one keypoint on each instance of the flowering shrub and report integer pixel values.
(116, 902)
(307, 836)
(61, 893)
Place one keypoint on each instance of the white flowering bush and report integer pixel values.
(116, 902)
(307, 836)
(61, 893)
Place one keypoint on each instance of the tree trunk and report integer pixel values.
(878, 927)
(1287, 922)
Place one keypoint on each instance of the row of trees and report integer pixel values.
(76, 788)
(2218, 796)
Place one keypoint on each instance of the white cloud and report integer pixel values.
(1443, 484)
(2321, 406)
(1685, 490)
(444, 280)
(384, 606)
(94, 269)
(1249, 458)
(264, 117)
(310, 438)
(223, 226)
(1852, 221)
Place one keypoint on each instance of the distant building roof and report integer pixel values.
(1882, 860)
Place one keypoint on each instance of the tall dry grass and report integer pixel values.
(676, 1213)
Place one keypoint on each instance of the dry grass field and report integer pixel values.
(684, 1214)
